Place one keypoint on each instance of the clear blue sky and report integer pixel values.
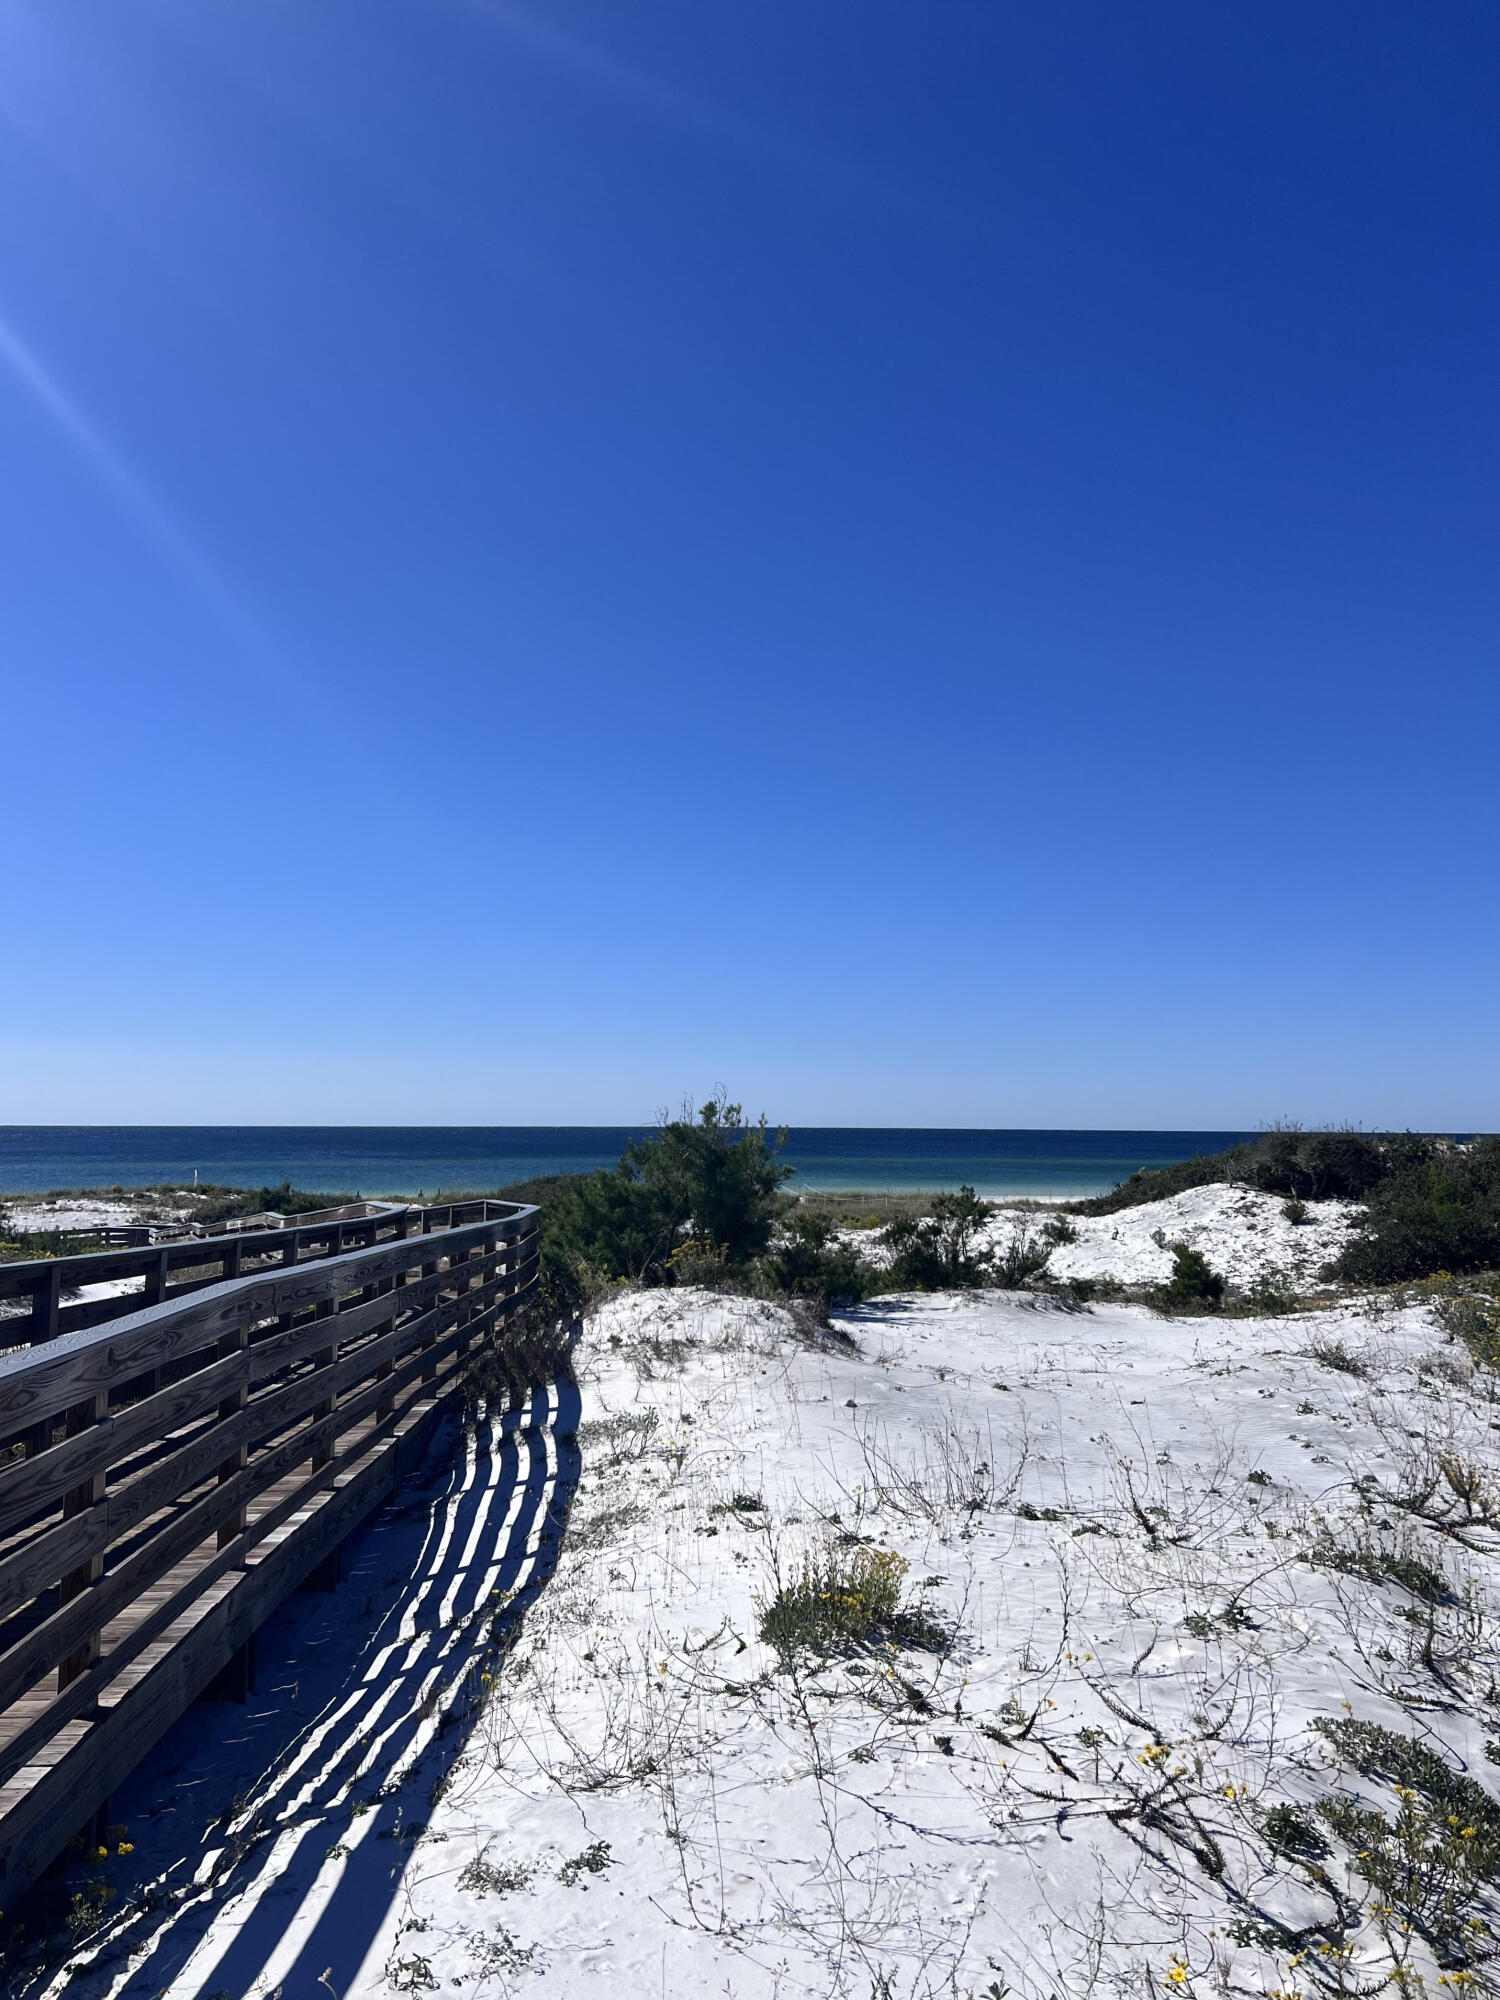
(936, 564)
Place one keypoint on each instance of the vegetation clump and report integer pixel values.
(840, 1600)
(811, 1260)
(1436, 1209)
(1474, 1319)
(1303, 1166)
(224, 1204)
(1432, 1204)
(944, 1251)
(1363, 1559)
(712, 1179)
(1194, 1285)
(1429, 1859)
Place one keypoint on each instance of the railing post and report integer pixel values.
(325, 1358)
(45, 1299)
(430, 1271)
(78, 1500)
(386, 1404)
(233, 1523)
(154, 1292)
(156, 1280)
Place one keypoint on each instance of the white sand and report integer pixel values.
(1241, 1232)
(1026, 1812)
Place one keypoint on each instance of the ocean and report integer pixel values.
(427, 1159)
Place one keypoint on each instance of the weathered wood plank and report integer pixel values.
(30, 1485)
(18, 1280)
(160, 1609)
(211, 1522)
(42, 1382)
(54, 1806)
(138, 1584)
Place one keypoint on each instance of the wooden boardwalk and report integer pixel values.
(168, 1474)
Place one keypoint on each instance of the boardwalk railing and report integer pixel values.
(34, 1297)
(169, 1474)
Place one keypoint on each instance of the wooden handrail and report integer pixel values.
(168, 1474)
(45, 1282)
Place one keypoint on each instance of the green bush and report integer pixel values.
(1304, 1166)
(810, 1261)
(1193, 1285)
(713, 1178)
(21, 1246)
(1474, 1319)
(840, 1600)
(940, 1252)
(1432, 1204)
(1270, 1296)
(1433, 1857)
(1365, 1559)
(1438, 1209)
(222, 1204)
(1020, 1259)
(1289, 1831)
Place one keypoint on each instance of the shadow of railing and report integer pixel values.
(289, 1890)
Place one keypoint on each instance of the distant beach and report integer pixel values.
(408, 1159)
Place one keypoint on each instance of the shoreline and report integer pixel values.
(116, 1193)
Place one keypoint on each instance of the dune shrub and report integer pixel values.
(842, 1599)
(222, 1204)
(1437, 1210)
(712, 1177)
(810, 1260)
(1193, 1286)
(1303, 1166)
(1013, 1263)
(1432, 1857)
(1473, 1318)
(940, 1251)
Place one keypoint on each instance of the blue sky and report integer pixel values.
(936, 565)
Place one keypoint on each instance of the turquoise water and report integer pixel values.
(411, 1159)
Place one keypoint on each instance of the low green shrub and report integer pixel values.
(942, 1251)
(484, 1878)
(1363, 1558)
(1304, 1166)
(810, 1261)
(712, 1177)
(1431, 1859)
(1337, 1355)
(21, 1246)
(1288, 1830)
(223, 1204)
(592, 1861)
(1437, 1209)
(1271, 1296)
(1208, 1624)
(1194, 1285)
(842, 1599)
(1474, 1319)
(696, 1263)
(1018, 1261)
